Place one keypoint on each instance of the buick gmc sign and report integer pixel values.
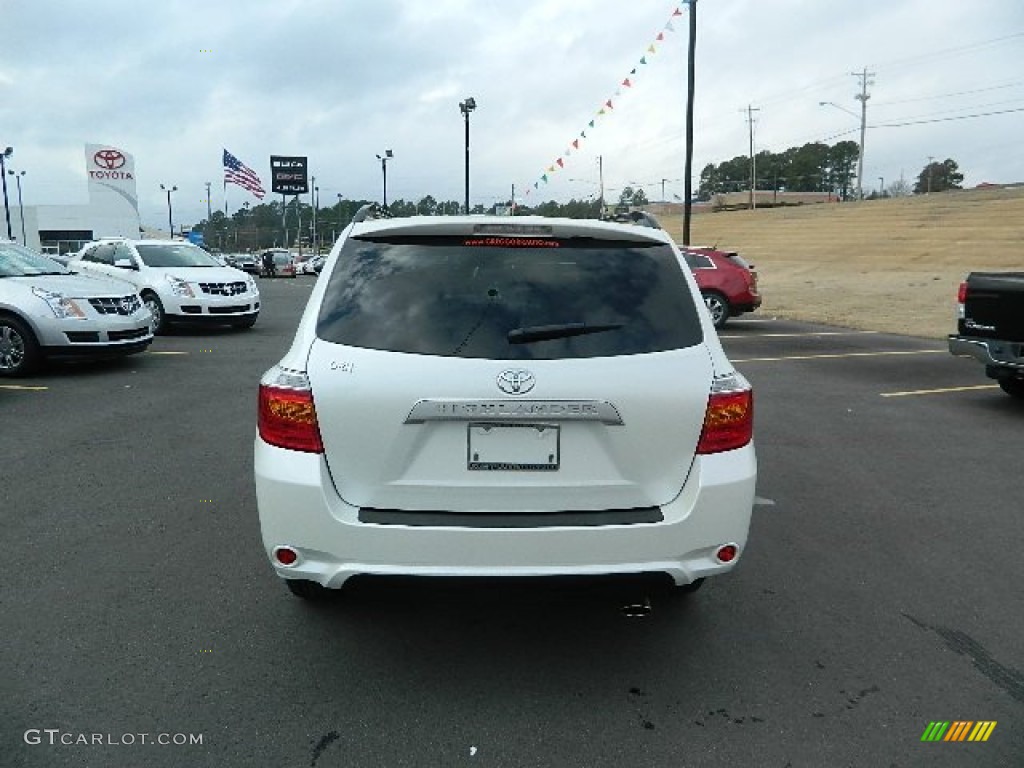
(288, 175)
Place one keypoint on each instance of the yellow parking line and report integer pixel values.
(23, 387)
(837, 356)
(939, 391)
(795, 335)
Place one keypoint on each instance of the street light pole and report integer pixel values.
(316, 202)
(860, 148)
(3, 177)
(170, 217)
(466, 107)
(388, 154)
(21, 208)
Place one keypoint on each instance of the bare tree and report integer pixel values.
(900, 188)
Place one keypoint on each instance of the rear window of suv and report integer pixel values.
(504, 299)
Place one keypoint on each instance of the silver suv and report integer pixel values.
(473, 396)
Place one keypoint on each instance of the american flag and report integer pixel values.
(237, 172)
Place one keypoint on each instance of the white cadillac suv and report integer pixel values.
(178, 281)
(485, 396)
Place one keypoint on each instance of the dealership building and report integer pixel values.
(112, 210)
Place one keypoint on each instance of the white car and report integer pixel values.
(485, 396)
(178, 281)
(47, 312)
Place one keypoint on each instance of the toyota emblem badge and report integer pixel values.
(516, 381)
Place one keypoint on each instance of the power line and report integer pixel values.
(946, 52)
(947, 95)
(947, 119)
(1003, 103)
(893, 63)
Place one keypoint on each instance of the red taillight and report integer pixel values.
(287, 419)
(728, 422)
(961, 294)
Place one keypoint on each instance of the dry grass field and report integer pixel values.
(885, 265)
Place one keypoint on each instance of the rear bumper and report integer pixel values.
(749, 306)
(299, 508)
(992, 352)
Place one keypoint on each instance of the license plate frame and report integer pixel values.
(513, 447)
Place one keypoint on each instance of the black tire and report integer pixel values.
(1013, 387)
(156, 308)
(247, 322)
(308, 590)
(718, 306)
(689, 589)
(19, 349)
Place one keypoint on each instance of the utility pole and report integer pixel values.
(600, 177)
(209, 210)
(663, 190)
(862, 97)
(753, 163)
(512, 212)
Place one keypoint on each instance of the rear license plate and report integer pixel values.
(517, 447)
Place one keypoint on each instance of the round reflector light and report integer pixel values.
(286, 555)
(726, 554)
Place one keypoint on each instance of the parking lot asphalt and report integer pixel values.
(880, 590)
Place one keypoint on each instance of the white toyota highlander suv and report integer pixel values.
(178, 281)
(485, 396)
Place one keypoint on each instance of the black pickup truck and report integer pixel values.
(990, 326)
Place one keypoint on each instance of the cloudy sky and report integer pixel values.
(340, 81)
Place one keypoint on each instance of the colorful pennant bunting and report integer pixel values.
(608, 105)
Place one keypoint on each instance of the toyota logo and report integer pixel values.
(110, 159)
(515, 381)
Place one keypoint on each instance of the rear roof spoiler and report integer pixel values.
(370, 211)
(640, 218)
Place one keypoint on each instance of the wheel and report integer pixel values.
(152, 302)
(308, 590)
(19, 350)
(718, 306)
(689, 589)
(247, 322)
(1013, 387)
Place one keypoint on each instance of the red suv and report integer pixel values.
(727, 282)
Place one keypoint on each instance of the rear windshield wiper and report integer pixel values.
(560, 331)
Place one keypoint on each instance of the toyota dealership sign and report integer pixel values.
(111, 170)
